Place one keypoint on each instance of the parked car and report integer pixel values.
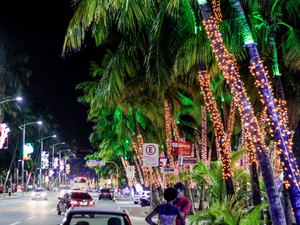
(39, 193)
(137, 196)
(74, 199)
(76, 216)
(106, 193)
(145, 199)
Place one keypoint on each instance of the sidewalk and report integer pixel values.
(4, 196)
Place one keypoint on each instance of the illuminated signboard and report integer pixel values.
(27, 150)
(4, 130)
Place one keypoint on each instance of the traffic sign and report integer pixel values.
(130, 172)
(150, 154)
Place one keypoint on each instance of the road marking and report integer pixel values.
(53, 209)
(31, 218)
(15, 223)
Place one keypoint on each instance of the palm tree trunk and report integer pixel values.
(188, 194)
(277, 123)
(218, 129)
(249, 120)
(256, 195)
(202, 196)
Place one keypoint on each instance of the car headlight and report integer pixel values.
(44, 194)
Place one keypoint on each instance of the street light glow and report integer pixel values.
(18, 98)
(12, 99)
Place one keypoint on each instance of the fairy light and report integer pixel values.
(204, 137)
(220, 135)
(197, 144)
(138, 168)
(277, 123)
(175, 129)
(141, 144)
(159, 177)
(230, 124)
(238, 92)
(215, 5)
(277, 119)
(146, 176)
(168, 121)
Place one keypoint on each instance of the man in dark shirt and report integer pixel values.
(182, 202)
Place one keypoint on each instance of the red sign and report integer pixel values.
(183, 148)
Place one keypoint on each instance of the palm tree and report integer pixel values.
(219, 129)
(250, 122)
(278, 123)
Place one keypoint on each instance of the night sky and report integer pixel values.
(40, 27)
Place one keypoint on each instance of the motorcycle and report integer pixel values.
(145, 202)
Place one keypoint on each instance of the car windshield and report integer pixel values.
(80, 195)
(98, 219)
(105, 190)
(39, 190)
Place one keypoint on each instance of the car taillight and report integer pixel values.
(73, 202)
(92, 203)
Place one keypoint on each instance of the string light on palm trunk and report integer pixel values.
(278, 123)
(168, 121)
(204, 137)
(215, 4)
(139, 170)
(211, 105)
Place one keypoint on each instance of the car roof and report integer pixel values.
(77, 210)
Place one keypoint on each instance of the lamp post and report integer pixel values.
(117, 174)
(53, 151)
(41, 154)
(12, 99)
(23, 128)
(59, 159)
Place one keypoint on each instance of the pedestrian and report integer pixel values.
(167, 212)
(182, 202)
(9, 192)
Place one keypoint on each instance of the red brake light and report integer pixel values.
(92, 203)
(73, 202)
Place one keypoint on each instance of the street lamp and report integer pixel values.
(41, 154)
(12, 99)
(23, 128)
(59, 159)
(117, 174)
(53, 150)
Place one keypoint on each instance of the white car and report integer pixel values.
(138, 195)
(39, 193)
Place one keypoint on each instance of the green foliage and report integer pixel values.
(229, 212)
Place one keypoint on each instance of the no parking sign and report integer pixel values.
(150, 154)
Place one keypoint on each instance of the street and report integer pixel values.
(24, 211)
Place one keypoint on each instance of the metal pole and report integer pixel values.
(59, 158)
(22, 177)
(17, 175)
(41, 156)
(151, 189)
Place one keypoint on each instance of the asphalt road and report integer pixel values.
(18, 210)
